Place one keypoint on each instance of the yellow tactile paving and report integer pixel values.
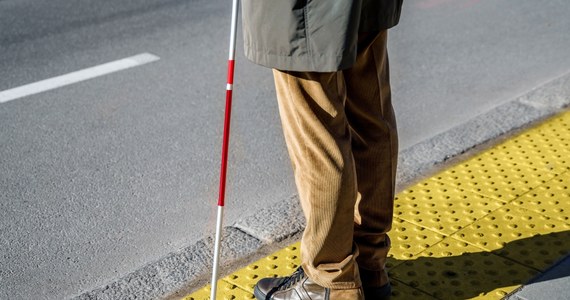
(402, 291)
(549, 199)
(225, 291)
(498, 180)
(552, 156)
(477, 230)
(539, 251)
(442, 207)
(453, 269)
(506, 225)
(409, 239)
(546, 147)
(281, 263)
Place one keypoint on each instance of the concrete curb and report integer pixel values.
(172, 272)
(190, 267)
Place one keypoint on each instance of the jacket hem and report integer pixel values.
(325, 62)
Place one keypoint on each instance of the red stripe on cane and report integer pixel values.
(231, 64)
(225, 144)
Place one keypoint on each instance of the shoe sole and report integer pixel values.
(259, 295)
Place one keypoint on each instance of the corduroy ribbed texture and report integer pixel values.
(341, 136)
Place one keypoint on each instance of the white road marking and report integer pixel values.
(77, 76)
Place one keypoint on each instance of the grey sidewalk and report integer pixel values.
(552, 285)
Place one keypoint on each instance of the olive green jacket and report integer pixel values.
(311, 35)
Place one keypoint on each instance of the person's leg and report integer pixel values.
(375, 149)
(318, 139)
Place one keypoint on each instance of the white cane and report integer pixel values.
(225, 144)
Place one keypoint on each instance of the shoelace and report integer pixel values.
(297, 276)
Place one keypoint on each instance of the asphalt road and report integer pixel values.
(102, 176)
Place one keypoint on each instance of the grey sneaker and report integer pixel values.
(295, 287)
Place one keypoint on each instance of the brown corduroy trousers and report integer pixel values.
(341, 136)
